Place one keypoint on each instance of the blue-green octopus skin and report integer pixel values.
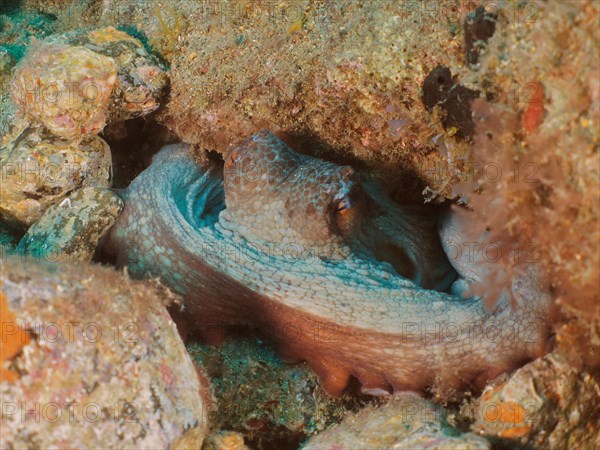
(296, 247)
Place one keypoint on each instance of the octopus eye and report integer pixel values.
(344, 205)
(347, 208)
(345, 213)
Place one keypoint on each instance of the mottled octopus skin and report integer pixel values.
(292, 255)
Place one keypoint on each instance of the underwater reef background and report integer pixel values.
(497, 108)
(344, 80)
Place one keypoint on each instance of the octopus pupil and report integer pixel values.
(343, 205)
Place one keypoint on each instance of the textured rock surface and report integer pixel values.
(73, 83)
(39, 169)
(140, 78)
(19, 28)
(71, 230)
(65, 88)
(340, 78)
(8, 113)
(404, 423)
(545, 128)
(104, 368)
(546, 404)
(271, 403)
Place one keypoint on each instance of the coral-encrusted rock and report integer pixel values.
(19, 27)
(71, 230)
(66, 88)
(39, 170)
(104, 368)
(546, 404)
(140, 77)
(341, 77)
(406, 422)
(271, 403)
(75, 82)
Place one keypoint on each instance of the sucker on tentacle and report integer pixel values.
(296, 247)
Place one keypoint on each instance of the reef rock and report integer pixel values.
(333, 77)
(546, 404)
(65, 88)
(272, 404)
(8, 113)
(39, 169)
(91, 359)
(71, 230)
(141, 78)
(73, 83)
(405, 422)
(19, 27)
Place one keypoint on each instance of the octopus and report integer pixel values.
(331, 269)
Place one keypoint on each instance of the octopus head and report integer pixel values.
(277, 195)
